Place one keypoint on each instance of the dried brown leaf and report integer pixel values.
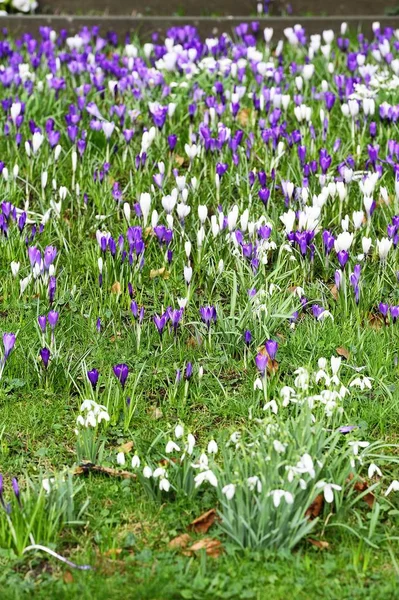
(323, 545)
(116, 288)
(67, 577)
(334, 291)
(315, 508)
(362, 486)
(180, 160)
(341, 351)
(126, 447)
(243, 116)
(212, 547)
(113, 552)
(375, 321)
(181, 541)
(202, 523)
(162, 272)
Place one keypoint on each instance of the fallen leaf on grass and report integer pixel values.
(162, 272)
(204, 522)
(181, 541)
(334, 291)
(318, 543)
(315, 508)
(341, 351)
(180, 160)
(67, 577)
(375, 321)
(126, 447)
(116, 288)
(369, 498)
(243, 116)
(113, 552)
(85, 468)
(212, 547)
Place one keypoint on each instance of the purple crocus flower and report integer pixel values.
(271, 348)
(121, 372)
(394, 310)
(160, 322)
(53, 318)
(261, 362)
(52, 286)
(208, 314)
(93, 376)
(16, 490)
(45, 356)
(317, 310)
(383, 308)
(42, 320)
(189, 370)
(8, 343)
(247, 337)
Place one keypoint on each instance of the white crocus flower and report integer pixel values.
(383, 247)
(343, 242)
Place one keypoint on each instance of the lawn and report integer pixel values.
(199, 304)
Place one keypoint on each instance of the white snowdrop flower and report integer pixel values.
(145, 205)
(328, 490)
(374, 470)
(393, 487)
(278, 495)
(272, 405)
(383, 247)
(164, 484)
(120, 458)
(135, 462)
(159, 472)
(361, 382)
(37, 141)
(171, 446)
(212, 447)
(234, 438)
(147, 472)
(179, 431)
(190, 443)
(14, 268)
(208, 476)
(229, 490)
(356, 445)
(258, 385)
(254, 483)
(335, 364)
(279, 446)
